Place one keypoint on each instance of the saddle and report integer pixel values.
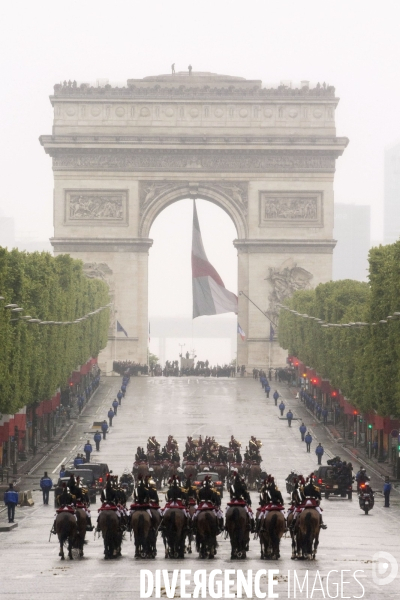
(139, 506)
(66, 508)
(309, 503)
(271, 507)
(206, 505)
(107, 506)
(175, 504)
(237, 503)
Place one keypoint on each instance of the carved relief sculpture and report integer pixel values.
(285, 280)
(291, 209)
(98, 206)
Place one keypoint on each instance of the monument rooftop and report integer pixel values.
(197, 85)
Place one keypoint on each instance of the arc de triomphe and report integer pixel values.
(266, 156)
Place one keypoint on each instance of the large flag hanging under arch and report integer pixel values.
(210, 297)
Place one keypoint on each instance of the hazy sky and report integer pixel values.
(351, 45)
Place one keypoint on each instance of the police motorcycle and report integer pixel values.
(366, 497)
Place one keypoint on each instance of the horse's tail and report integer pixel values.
(273, 535)
(140, 530)
(308, 533)
(237, 530)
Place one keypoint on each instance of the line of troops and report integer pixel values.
(200, 450)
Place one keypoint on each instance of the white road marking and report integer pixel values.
(59, 465)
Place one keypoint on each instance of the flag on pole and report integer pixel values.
(120, 328)
(241, 332)
(271, 332)
(210, 297)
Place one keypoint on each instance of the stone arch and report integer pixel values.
(155, 196)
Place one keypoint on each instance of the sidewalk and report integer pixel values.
(356, 455)
(27, 467)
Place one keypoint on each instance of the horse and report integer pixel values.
(158, 474)
(206, 536)
(189, 469)
(141, 526)
(108, 523)
(270, 534)
(140, 467)
(307, 534)
(66, 529)
(174, 533)
(253, 476)
(236, 524)
(222, 470)
(81, 522)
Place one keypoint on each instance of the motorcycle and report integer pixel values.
(366, 499)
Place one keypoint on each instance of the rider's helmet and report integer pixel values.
(126, 471)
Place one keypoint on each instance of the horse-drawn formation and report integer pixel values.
(192, 511)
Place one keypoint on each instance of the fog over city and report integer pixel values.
(349, 45)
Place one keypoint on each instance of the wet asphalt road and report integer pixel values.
(31, 568)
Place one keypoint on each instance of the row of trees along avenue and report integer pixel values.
(37, 359)
(363, 361)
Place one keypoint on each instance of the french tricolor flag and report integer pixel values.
(210, 297)
(241, 332)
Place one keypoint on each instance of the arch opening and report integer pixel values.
(211, 338)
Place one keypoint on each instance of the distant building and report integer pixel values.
(391, 223)
(7, 232)
(352, 230)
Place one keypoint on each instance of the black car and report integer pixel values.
(217, 483)
(100, 471)
(330, 485)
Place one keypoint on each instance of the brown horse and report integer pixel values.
(307, 534)
(67, 531)
(141, 526)
(140, 467)
(222, 470)
(270, 534)
(108, 523)
(190, 469)
(174, 533)
(206, 536)
(236, 524)
(253, 476)
(81, 527)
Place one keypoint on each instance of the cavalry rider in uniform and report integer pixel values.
(81, 497)
(312, 492)
(176, 497)
(209, 498)
(109, 498)
(65, 499)
(270, 499)
(238, 491)
(297, 499)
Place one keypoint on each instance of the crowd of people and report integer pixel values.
(130, 368)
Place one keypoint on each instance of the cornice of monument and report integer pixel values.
(85, 141)
(195, 160)
(101, 244)
(200, 86)
(301, 246)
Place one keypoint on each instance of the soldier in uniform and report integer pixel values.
(312, 491)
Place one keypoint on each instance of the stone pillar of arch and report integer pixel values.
(265, 156)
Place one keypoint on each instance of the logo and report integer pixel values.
(382, 562)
